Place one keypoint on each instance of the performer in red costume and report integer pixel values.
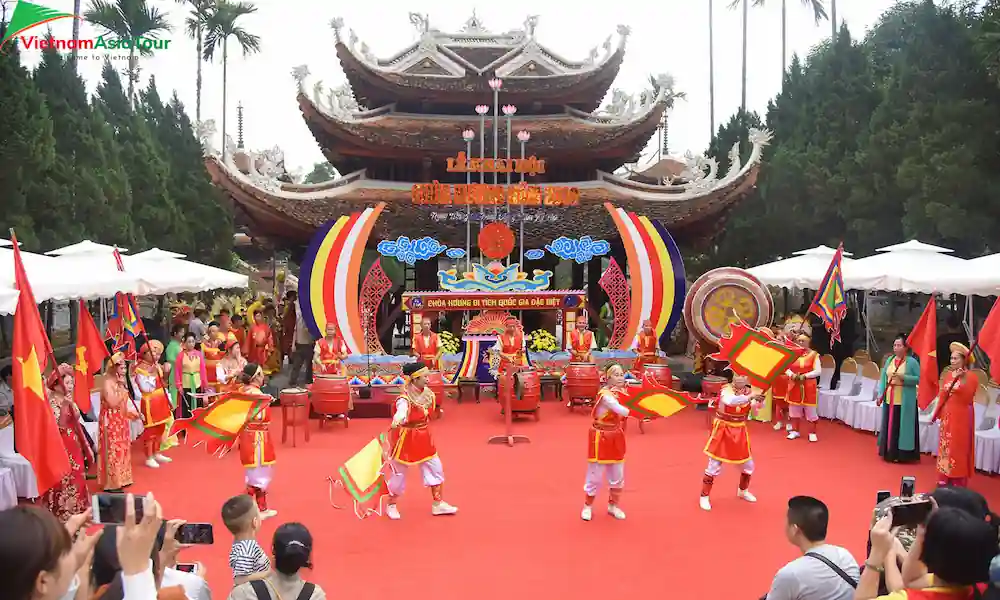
(802, 389)
(155, 406)
(779, 394)
(412, 444)
(427, 347)
(580, 342)
(511, 347)
(955, 409)
(729, 441)
(256, 447)
(329, 353)
(606, 445)
(260, 340)
(646, 345)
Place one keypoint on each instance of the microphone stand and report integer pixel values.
(365, 392)
(508, 437)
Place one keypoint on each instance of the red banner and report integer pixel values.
(444, 301)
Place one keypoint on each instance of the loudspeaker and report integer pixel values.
(365, 393)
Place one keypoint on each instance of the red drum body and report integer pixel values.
(294, 397)
(331, 395)
(659, 374)
(582, 382)
(711, 385)
(530, 388)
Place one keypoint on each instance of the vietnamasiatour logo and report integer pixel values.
(28, 16)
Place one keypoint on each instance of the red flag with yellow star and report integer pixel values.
(90, 355)
(35, 431)
(923, 342)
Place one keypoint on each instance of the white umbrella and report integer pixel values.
(67, 278)
(912, 267)
(85, 247)
(8, 301)
(156, 254)
(804, 270)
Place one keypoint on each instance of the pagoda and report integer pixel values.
(396, 121)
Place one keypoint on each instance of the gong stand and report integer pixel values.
(508, 438)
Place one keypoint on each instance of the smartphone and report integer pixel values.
(186, 567)
(109, 509)
(907, 485)
(911, 513)
(195, 533)
(882, 496)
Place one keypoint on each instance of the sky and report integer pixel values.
(670, 36)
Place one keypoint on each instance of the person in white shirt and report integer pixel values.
(6, 393)
(824, 571)
(302, 354)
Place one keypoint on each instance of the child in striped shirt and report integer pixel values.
(246, 558)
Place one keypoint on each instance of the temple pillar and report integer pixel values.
(596, 296)
(577, 276)
(425, 275)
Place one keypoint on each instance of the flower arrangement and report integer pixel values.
(543, 341)
(449, 343)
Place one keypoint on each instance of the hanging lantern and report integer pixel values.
(496, 241)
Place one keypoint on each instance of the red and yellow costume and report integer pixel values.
(69, 497)
(606, 439)
(956, 410)
(646, 346)
(580, 343)
(329, 355)
(729, 442)
(412, 442)
(426, 347)
(260, 342)
(155, 407)
(114, 454)
(511, 351)
(257, 451)
(213, 354)
(803, 392)
(779, 395)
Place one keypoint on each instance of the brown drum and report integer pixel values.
(711, 385)
(527, 392)
(435, 381)
(294, 397)
(331, 395)
(582, 383)
(659, 374)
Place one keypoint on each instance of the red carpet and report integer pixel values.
(519, 533)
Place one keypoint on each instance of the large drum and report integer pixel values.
(435, 381)
(527, 391)
(331, 395)
(582, 383)
(659, 374)
(721, 296)
(294, 397)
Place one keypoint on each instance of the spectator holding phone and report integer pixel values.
(194, 585)
(126, 560)
(955, 546)
(292, 551)
(39, 556)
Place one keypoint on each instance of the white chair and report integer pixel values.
(930, 432)
(851, 409)
(827, 367)
(828, 399)
(987, 438)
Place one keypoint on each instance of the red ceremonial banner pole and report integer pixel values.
(508, 438)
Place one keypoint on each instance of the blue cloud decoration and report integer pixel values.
(581, 250)
(534, 254)
(410, 251)
(455, 253)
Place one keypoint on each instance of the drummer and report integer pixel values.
(427, 346)
(329, 353)
(646, 346)
(581, 342)
(511, 347)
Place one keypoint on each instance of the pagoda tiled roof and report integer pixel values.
(457, 67)
(693, 211)
(603, 140)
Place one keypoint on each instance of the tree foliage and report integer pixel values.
(74, 167)
(880, 140)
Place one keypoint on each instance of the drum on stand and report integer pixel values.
(659, 374)
(294, 397)
(582, 384)
(435, 381)
(527, 392)
(331, 395)
(711, 387)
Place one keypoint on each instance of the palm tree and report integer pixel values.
(219, 27)
(833, 20)
(76, 30)
(194, 26)
(743, 93)
(711, 69)
(130, 20)
(819, 13)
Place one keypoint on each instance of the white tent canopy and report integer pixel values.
(156, 253)
(167, 274)
(804, 270)
(911, 267)
(53, 280)
(85, 247)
